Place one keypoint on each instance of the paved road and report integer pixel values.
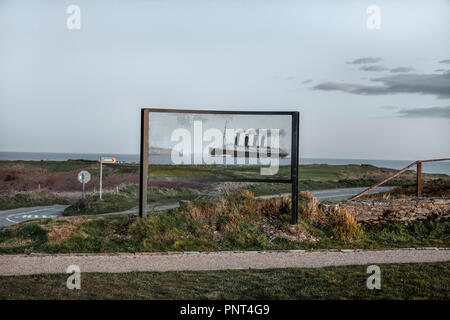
(334, 194)
(9, 217)
(113, 263)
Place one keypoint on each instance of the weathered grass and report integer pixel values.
(128, 198)
(398, 281)
(237, 222)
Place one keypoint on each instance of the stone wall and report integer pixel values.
(405, 211)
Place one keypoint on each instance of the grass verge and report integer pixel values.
(398, 281)
(238, 222)
(128, 198)
(34, 199)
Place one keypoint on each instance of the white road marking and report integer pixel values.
(23, 213)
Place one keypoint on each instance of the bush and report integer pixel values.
(34, 232)
(344, 226)
(309, 208)
(274, 207)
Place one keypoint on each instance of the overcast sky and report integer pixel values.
(362, 93)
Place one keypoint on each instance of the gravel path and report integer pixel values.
(113, 263)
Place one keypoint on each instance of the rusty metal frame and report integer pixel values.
(144, 153)
(417, 163)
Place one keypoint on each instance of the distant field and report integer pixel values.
(32, 183)
(61, 175)
(398, 281)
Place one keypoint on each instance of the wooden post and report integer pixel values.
(419, 179)
(143, 177)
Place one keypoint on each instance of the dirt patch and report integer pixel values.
(60, 232)
(294, 233)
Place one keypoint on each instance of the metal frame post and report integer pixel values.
(419, 179)
(294, 167)
(143, 176)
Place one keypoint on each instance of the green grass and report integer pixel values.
(49, 165)
(172, 231)
(128, 198)
(398, 281)
(23, 200)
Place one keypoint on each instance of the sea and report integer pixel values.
(430, 167)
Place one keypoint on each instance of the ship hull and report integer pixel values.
(248, 152)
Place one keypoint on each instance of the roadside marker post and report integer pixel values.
(84, 177)
(104, 160)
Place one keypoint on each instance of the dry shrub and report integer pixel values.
(61, 233)
(309, 209)
(344, 225)
(242, 195)
(195, 211)
(207, 212)
(230, 223)
(58, 233)
(274, 207)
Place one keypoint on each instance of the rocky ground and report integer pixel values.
(404, 210)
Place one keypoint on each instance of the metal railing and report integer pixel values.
(417, 163)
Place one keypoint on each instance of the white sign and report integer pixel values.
(84, 176)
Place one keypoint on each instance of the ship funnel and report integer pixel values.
(262, 143)
(255, 140)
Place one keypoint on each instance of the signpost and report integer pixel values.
(104, 160)
(84, 177)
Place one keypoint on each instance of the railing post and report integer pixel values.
(419, 179)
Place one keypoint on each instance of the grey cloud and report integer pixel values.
(389, 107)
(445, 61)
(365, 60)
(373, 68)
(435, 84)
(401, 69)
(431, 112)
(307, 81)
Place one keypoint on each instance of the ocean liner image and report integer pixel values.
(247, 145)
